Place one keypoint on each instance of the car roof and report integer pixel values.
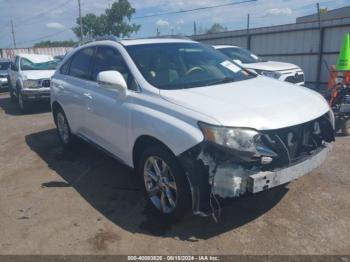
(36, 58)
(154, 41)
(225, 46)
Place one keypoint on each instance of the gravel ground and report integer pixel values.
(84, 202)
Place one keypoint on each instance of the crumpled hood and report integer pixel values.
(260, 103)
(38, 74)
(271, 66)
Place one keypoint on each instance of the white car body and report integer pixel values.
(116, 120)
(283, 71)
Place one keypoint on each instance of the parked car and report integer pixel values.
(4, 66)
(278, 70)
(194, 125)
(29, 79)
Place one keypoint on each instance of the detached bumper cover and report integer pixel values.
(268, 179)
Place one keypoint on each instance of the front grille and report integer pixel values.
(297, 78)
(296, 142)
(3, 76)
(45, 83)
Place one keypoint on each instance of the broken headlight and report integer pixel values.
(245, 143)
(239, 139)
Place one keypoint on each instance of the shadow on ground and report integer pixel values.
(11, 108)
(115, 191)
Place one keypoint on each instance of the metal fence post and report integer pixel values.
(320, 57)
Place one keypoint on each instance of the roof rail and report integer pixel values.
(169, 36)
(99, 38)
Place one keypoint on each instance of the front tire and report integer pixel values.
(165, 183)
(23, 105)
(64, 133)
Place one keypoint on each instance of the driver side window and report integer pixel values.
(109, 59)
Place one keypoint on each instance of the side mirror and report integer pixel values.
(112, 80)
(237, 61)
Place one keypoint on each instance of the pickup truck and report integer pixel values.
(29, 79)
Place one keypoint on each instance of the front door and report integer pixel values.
(109, 114)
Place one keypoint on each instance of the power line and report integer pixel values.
(42, 13)
(195, 9)
(46, 36)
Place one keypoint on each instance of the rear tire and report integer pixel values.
(64, 132)
(346, 127)
(165, 183)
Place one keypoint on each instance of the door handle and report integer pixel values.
(88, 95)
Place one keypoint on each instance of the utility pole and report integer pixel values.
(318, 15)
(13, 35)
(80, 21)
(194, 28)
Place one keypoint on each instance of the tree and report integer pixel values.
(115, 21)
(216, 28)
(67, 43)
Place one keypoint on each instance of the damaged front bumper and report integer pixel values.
(269, 179)
(213, 171)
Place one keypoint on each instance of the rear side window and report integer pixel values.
(81, 63)
(109, 59)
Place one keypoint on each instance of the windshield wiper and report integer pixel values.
(221, 81)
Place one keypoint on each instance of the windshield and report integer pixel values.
(29, 65)
(244, 55)
(184, 65)
(4, 65)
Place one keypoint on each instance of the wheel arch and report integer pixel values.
(143, 142)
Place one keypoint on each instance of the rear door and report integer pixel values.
(73, 87)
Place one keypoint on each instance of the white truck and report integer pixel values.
(278, 70)
(193, 124)
(29, 79)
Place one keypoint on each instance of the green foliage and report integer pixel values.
(115, 21)
(216, 28)
(67, 43)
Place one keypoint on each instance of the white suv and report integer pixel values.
(279, 70)
(193, 124)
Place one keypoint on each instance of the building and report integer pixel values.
(339, 13)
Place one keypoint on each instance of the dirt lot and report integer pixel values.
(84, 202)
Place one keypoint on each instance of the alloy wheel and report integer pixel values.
(160, 184)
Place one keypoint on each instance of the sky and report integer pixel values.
(39, 20)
